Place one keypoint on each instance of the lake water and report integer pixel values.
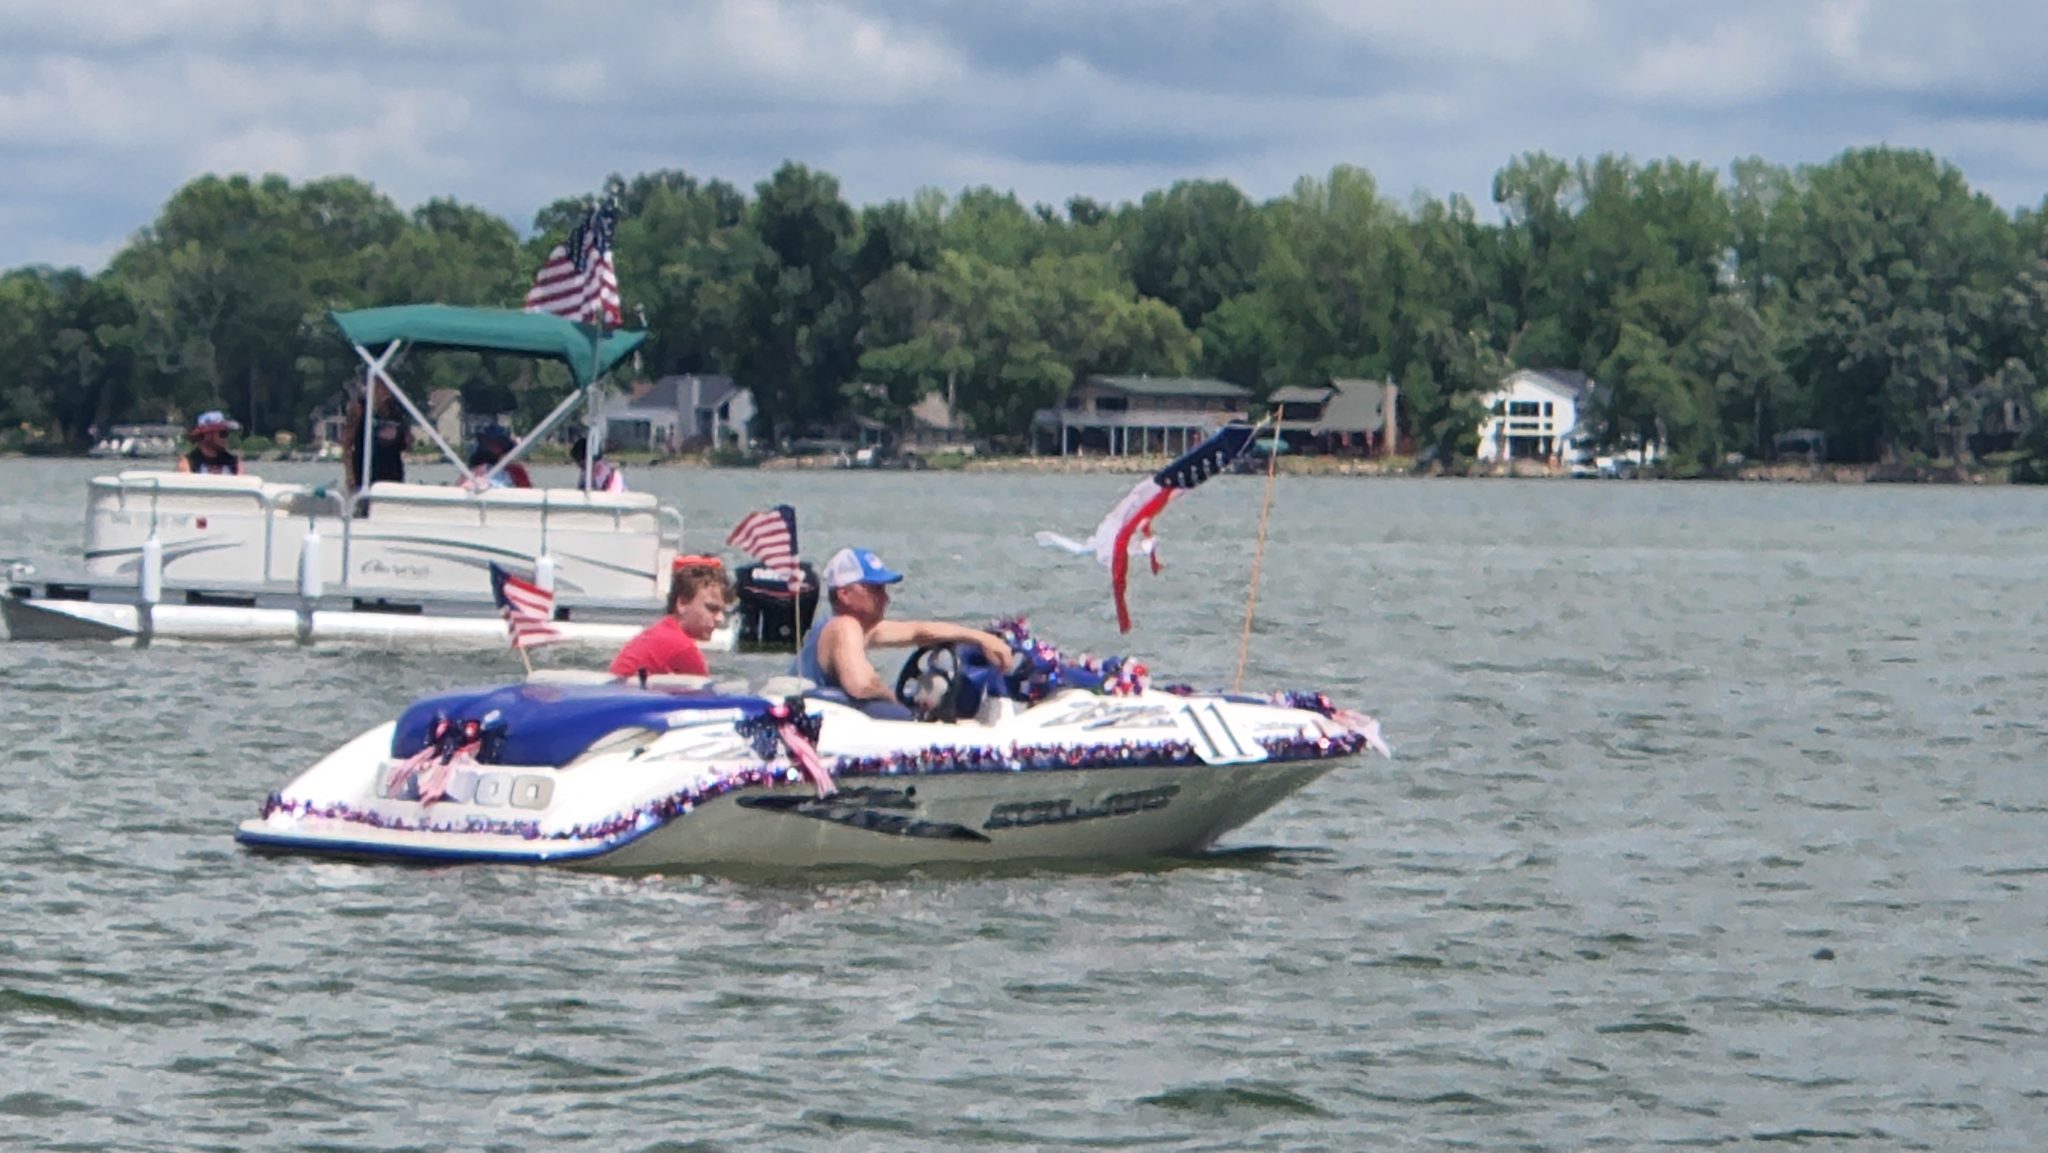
(1717, 817)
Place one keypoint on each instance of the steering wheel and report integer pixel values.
(933, 683)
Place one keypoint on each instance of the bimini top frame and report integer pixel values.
(588, 352)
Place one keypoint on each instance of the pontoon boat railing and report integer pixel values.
(345, 508)
(266, 504)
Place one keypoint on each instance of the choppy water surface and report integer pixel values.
(1718, 818)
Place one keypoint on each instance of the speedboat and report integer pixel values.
(181, 556)
(1076, 762)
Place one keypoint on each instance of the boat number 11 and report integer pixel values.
(1216, 740)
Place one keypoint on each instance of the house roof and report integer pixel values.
(1563, 381)
(932, 412)
(1355, 406)
(1172, 386)
(439, 401)
(672, 393)
(1300, 394)
(713, 391)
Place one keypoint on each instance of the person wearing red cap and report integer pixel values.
(698, 595)
(210, 455)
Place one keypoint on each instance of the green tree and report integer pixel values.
(798, 311)
(1194, 246)
(1895, 268)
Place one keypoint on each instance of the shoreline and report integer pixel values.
(1285, 466)
(1405, 467)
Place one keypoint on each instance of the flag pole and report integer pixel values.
(593, 437)
(1251, 599)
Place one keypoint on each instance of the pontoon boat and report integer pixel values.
(191, 557)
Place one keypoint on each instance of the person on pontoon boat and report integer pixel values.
(491, 446)
(698, 596)
(601, 476)
(210, 455)
(835, 653)
(390, 436)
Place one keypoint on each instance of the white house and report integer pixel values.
(1533, 414)
(679, 412)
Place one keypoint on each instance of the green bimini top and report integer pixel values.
(588, 352)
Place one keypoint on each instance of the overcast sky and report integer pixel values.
(106, 106)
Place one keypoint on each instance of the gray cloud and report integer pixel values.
(107, 105)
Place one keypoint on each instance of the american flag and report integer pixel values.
(528, 609)
(1133, 515)
(577, 279)
(770, 536)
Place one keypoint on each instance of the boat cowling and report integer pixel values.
(552, 725)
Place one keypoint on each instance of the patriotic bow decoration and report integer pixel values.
(450, 745)
(1132, 517)
(787, 725)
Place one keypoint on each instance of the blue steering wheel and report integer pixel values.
(950, 681)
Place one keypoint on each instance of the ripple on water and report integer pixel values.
(33, 1106)
(1234, 1098)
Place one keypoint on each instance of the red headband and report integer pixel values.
(683, 562)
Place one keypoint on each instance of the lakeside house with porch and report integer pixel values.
(680, 412)
(1342, 417)
(1534, 415)
(1137, 415)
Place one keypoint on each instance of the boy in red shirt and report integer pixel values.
(698, 595)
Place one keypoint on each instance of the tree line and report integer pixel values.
(1876, 297)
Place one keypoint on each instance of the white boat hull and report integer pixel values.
(1078, 777)
(40, 619)
(181, 557)
(1093, 815)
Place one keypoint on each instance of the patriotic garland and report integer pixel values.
(1052, 670)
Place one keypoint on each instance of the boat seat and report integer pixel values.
(783, 685)
(668, 681)
(569, 677)
(673, 681)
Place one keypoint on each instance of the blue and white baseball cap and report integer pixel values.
(858, 566)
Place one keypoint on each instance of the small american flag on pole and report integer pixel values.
(770, 536)
(528, 609)
(577, 280)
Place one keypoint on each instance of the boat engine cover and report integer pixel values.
(552, 725)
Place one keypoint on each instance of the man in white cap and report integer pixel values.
(835, 654)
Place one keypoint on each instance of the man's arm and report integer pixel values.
(906, 634)
(843, 655)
